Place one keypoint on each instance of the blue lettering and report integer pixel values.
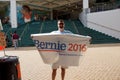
(47, 45)
(58, 47)
(36, 43)
(63, 46)
(42, 45)
(50, 45)
(53, 46)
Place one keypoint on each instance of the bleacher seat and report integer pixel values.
(34, 27)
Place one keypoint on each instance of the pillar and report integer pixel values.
(13, 14)
(85, 4)
(51, 14)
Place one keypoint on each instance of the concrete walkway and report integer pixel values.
(100, 62)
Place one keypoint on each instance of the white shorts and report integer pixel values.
(55, 66)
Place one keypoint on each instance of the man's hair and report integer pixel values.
(14, 31)
(61, 21)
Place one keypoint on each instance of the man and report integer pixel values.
(26, 11)
(15, 38)
(60, 30)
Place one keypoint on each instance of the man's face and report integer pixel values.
(61, 25)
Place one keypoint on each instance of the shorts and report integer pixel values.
(55, 66)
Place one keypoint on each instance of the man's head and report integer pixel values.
(15, 32)
(61, 25)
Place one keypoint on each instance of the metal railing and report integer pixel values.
(75, 27)
(23, 33)
(104, 6)
(41, 26)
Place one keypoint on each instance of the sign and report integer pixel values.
(2, 41)
(62, 48)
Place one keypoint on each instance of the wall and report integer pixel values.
(83, 16)
(106, 22)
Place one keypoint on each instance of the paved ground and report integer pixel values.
(101, 62)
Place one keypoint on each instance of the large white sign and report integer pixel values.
(62, 48)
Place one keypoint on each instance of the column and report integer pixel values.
(13, 14)
(85, 4)
(86, 8)
(51, 16)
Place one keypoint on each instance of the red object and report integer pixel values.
(27, 15)
(15, 36)
(2, 47)
(19, 72)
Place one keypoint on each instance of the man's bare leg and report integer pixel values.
(62, 73)
(54, 74)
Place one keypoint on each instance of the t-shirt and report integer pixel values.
(15, 36)
(59, 32)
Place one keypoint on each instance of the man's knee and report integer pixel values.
(63, 69)
(54, 71)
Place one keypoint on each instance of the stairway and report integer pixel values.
(97, 37)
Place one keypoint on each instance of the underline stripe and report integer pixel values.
(51, 50)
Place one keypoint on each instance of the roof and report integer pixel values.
(52, 4)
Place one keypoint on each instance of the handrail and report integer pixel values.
(104, 26)
(24, 31)
(104, 6)
(41, 26)
(8, 31)
(75, 27)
